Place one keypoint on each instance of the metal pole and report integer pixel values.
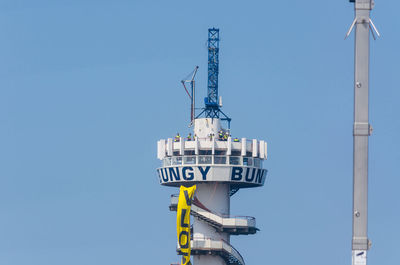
(361, 131)
(193, 103)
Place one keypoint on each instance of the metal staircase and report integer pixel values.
(207, 246)
(238, 225)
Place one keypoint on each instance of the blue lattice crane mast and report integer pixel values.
(211, 101)
(212, 105)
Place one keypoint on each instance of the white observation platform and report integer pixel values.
(219, 168)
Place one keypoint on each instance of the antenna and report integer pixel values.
(362, 129)
(192, 94)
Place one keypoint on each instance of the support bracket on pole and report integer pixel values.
(363, 5)
(362, 129)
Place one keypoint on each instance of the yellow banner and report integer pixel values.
(183, 222)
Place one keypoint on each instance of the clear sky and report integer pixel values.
(87, 87)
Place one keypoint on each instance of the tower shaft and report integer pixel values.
(215, 197)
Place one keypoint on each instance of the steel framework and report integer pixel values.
(212, 107)
(211, 101)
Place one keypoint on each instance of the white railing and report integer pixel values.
(246, 147)
(214, 138)
(208, 244)
(211, 160)
(225, 220)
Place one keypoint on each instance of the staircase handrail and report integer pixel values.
(245, 217)
(235, 252)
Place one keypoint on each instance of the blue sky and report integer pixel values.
(88, 87)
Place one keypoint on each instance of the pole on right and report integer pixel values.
(361, 130)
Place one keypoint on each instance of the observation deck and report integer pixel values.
(209, 159)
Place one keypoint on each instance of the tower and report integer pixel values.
(219, 165)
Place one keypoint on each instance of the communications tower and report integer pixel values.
(219, 165)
